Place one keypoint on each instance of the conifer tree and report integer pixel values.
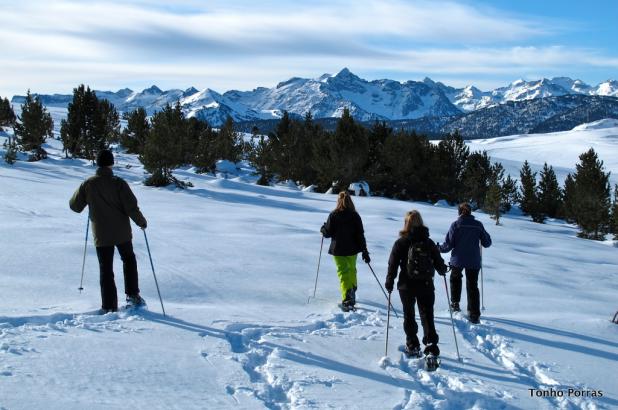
(510, 196)
(162, 150)
(106, 124)
(493, 201)
(205, 156)
(569, 202)
(451, 156)
(614, 216)
(33, 127)
(592, 196)
(78, 132)
(529, 200)
(476, 178)
(260, 158)
(549, 193)
(134, 135)
(229, 142)
(7, 115)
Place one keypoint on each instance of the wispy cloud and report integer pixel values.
(242, 44)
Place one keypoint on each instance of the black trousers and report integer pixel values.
(423, 294)
(109, 297)
(472, 289)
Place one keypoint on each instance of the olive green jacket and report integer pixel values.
(111, 203)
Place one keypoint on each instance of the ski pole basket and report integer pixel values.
(615, 319)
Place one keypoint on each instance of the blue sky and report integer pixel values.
(54, 45)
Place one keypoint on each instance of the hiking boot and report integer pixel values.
(350, 298)
(455, 307)
(104, 311)
(413, 351)
(135, 300)
(474, 319)
(432, 349)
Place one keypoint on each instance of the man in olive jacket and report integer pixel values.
(111, 203)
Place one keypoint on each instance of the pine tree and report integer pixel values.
(260, 158)
(592, 196)
(229, 142)
(106, 124)
(568, 210)
(33, 127)
(162, 150)
(529, 200)
(7, 115)
(136, 132)
(510, 196)
(449, 164)
(10, 155)
(549, 193)
(614, 217)
(493, 201)
(476, 178)
(79, 131)
(205, 156)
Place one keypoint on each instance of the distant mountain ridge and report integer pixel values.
(385, 100)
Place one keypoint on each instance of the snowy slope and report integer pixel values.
(236, 263)
(559, 149)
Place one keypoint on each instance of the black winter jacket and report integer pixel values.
(347, 233)
(399, 259)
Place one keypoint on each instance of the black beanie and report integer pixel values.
(105, 158)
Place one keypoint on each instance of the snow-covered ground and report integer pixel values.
(236, 263)
(559, 149)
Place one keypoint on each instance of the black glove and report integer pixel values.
(438, 244)
(442, 271)
(324, 231)
(143, 224)
(366, 257)
(389, 286)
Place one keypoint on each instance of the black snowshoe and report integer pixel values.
(135, 302)
(413, 352)
(455, 307)
(432, 362)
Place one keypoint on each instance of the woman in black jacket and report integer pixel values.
(417, 258)
(345, 227)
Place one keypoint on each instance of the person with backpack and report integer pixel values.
(417, 258)
(111, 203)
(462, 240)
(345, 228)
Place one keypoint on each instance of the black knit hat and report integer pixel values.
(105, 158)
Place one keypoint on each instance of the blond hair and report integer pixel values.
(344, 201)
(413, 219)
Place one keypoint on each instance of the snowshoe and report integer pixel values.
(455, 307)
(347, 307)
(413, 352)
(431, 362)
(106, 311)
(135, 301)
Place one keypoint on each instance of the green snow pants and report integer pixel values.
(346, 270)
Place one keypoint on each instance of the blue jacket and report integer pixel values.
(463, 240)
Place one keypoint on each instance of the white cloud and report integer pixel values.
(54, 45)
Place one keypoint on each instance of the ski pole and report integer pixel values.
(383, 291)
(482, 291)
(153, 271)
(450, 310)
(388, 319)
(81, 282)
(315, 288)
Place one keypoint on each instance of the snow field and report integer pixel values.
(236, 263)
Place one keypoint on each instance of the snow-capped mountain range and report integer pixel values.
(328, 95)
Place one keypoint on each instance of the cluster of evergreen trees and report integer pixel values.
(31, 128)
(91, 124)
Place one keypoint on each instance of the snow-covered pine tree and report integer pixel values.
(33, 127)
(529, 198)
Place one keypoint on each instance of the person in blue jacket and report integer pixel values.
(462, 240)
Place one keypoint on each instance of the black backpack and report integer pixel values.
(420, 263)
